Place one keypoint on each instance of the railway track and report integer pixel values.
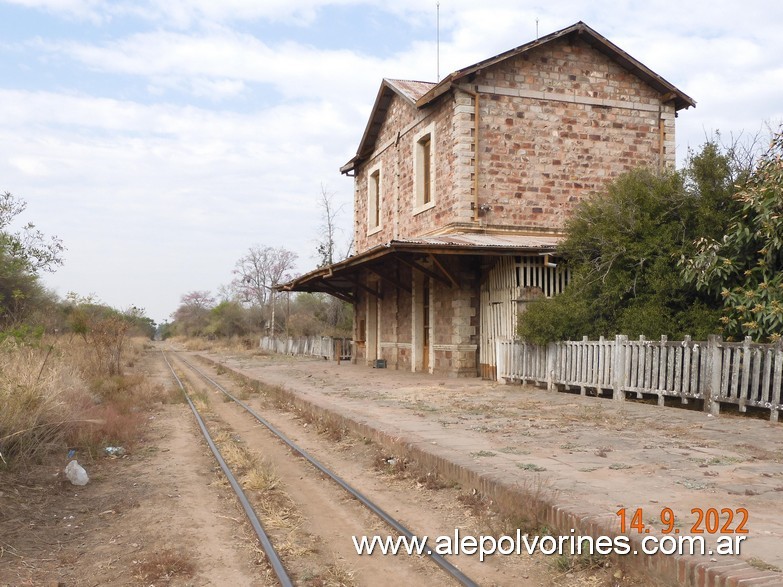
(264, 539)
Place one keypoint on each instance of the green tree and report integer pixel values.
(319, 314)
(744, 268)
(623, 247)
(23, 255)
(191, 318)
(105, 330)
(228, 318)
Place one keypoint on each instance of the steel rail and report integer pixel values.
(436, 558)
(263, 538)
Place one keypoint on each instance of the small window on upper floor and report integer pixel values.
(424, 170)
(374, 200)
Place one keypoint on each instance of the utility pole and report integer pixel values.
(437, 42)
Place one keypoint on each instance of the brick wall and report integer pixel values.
(395, 159)
(455, 334)
(555, 124)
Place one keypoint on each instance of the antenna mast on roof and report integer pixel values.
(536, 29)
(437, 42)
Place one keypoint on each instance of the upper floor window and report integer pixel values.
(424, 170)
(374, 199)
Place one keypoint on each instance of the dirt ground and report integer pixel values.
(162, 514)
(156, 515)
(595, 455)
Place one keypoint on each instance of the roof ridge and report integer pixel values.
(416, 81)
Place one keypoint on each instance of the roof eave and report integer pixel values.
(392, 246)
(681, 100)
(373, 124)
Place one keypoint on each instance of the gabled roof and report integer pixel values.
(410, 91)
(591, 37)
(420, 94)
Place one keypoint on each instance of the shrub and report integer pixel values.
(42, 398)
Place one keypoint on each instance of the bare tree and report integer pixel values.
(335, 310)
(200, 299)
(192, 315)
(328, 230)
(259, 272)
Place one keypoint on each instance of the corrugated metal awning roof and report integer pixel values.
(466, 239)
(341, 279)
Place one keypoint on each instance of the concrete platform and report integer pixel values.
(585, 458)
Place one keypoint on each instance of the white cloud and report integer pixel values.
(161, 198)
(224, 61)
(188, 13)
(29, 166)
(124, 179)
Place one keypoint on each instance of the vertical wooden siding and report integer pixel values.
(510, 284)
(718, 372)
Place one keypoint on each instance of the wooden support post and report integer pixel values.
(618, 367)
(713, 363)
(339, 349)
(385, 277)
(440, 266)
(428, 272)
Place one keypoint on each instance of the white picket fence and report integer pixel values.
(715, 371)
(315, 346)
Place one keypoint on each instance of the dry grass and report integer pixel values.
(234, 344)
(53, 399)
(334, 575)
(525, 509)
(238, 457)
(42, 398)
(261, 478)
(394, 465)
(258, 475)
(165, 566)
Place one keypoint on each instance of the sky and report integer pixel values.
(161, 140)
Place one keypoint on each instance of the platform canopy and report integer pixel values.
(423, 254)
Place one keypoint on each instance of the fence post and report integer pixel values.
(582, 366)
(551, 352)
(618, 367)
(500, 366)
(777, 381)
(598, 365)
(659, 378)
(713, 363)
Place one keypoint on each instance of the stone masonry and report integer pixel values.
(517, 141)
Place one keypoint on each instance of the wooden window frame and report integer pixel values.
(374, 199)
(424, 158)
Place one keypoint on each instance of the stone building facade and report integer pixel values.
(463, 187)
